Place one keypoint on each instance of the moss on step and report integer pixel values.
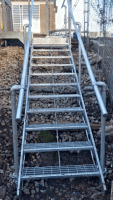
(45, 136)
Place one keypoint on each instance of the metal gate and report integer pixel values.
(20, 17)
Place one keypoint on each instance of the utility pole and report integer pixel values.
(86, 22)
(104, 22)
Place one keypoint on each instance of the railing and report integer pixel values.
(17, 114)
(91, 75)
(17, 111)
(25, 66)
(101, 98)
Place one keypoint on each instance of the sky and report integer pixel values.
(78, 13)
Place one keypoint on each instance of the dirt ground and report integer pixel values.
(11, 60)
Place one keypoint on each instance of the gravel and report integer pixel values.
(11, 59)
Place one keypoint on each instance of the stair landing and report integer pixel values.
(50, 40)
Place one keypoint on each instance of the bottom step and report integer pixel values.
(59, 172)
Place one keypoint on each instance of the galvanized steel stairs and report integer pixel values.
(57, 90)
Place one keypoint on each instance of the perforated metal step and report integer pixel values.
(62, 146)
(59, 171)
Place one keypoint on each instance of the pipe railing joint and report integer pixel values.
(15, 88)
(103, 85)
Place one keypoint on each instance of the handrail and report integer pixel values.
(63, 4)
(24, 73)
(92, 78)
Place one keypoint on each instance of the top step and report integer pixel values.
(50, 40)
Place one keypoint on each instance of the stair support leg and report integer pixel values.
(15, 134)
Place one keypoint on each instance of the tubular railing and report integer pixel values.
(67, 18)
(91, 75)
(25, 66)
(101, 98)
(17, 114)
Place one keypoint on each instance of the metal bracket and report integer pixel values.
(15, 179)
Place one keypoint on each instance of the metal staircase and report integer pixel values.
(71, 80)
(53, 89)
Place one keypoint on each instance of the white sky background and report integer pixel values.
(78, 13)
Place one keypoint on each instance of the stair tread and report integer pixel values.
(51, 57)
(49, 50)
(50, 41)
(52, 74)
(60, 171)
(52, 65)
(62, 146)
(46, 110)
(53, 84)
(36, 127)
(54, 96)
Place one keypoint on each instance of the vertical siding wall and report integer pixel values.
(8, 19)
(52, 17)
(5, 16)
(43, 18)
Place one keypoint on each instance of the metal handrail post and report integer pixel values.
(88, 26)
(69, 22)
(29, 9)
(79, 25)
(103, 87)
(24, 33)
(65, 16)
(103, 127)
(24, 73)
(92, 78)
(14, 125)
(65, 20)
